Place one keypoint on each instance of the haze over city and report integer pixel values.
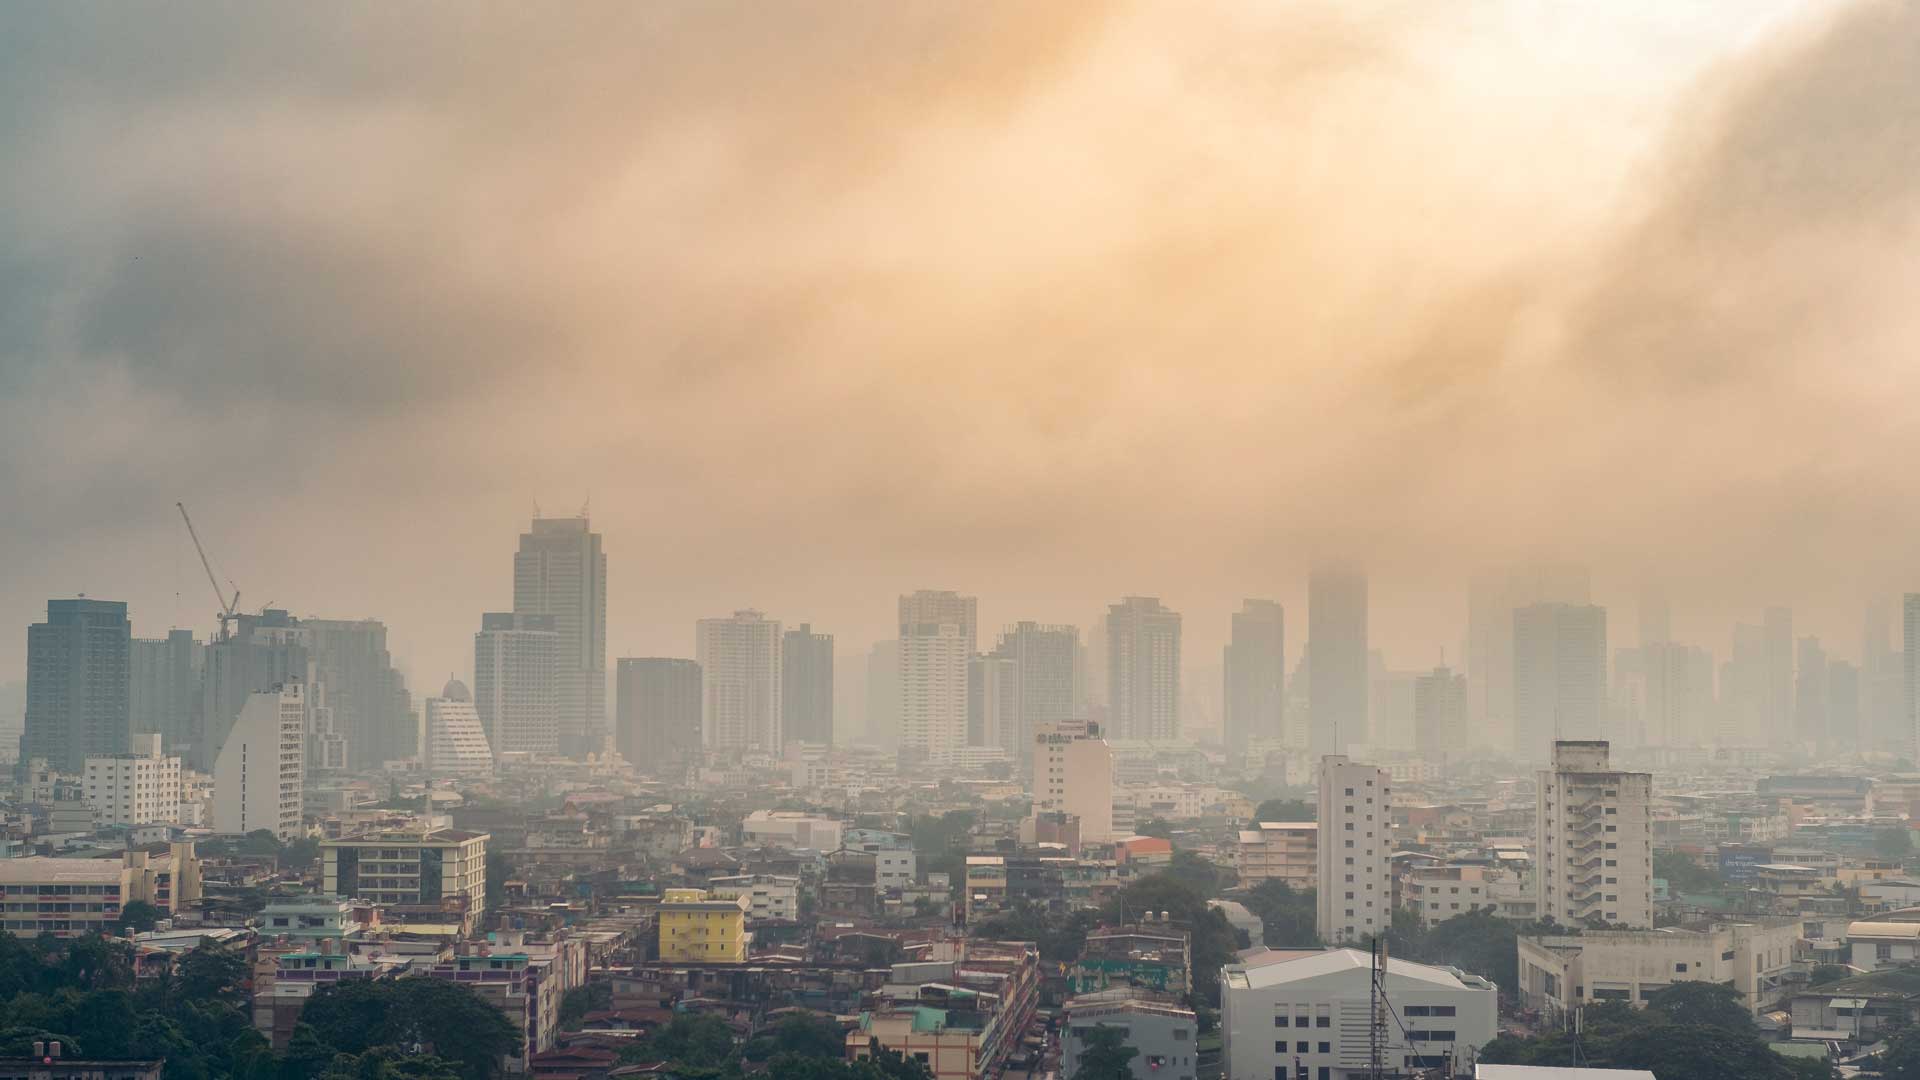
(917, 540)
(821, 305)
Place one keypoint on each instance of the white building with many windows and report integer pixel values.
(259, 776)
(1284, 1011)
(1594, 823)
(1355, 892)
(139, 788)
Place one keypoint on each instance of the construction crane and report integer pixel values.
(227, 607)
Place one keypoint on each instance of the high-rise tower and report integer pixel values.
(560, 570)
(77, 684)
(740, 664)
(1254, 671)
(1337, 687)
(1143, 670)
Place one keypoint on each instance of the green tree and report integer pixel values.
(1204, 875)
(810, 1035)
(1155, 827)
(581, 1000)
(1105, 1055)
(1287, 916)
(212, 973)
(700, 1041)
(1823, 974)
(1704, 1004)
(1285, 810)
(1901, 1059)
(439, 1017)
(1893, 843)
(138, 917)
(1682, 874)
(498, 870)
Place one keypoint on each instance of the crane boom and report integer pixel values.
(226, 606)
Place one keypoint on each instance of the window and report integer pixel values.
(1279, 1021)
(1301, 1047)
(1883, 952)
(1443, 1010)
(1680, 969)
(1440, 1035)
(1323, 1021)
(1416, 1010)
(1326, 1048)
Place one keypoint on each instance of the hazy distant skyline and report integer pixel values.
(821, 304)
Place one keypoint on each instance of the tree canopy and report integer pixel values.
(1105, 1055)
(1686, 1036)
(1286, 810)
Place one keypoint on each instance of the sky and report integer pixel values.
(815, 303)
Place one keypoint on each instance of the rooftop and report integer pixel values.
(1261, 968)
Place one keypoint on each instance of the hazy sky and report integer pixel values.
(1049, 303)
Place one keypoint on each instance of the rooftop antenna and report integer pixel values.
(586, 506)
(536, 508)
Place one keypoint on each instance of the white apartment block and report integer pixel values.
(1285, 851)
(740, 664)
(933, 690)
(140, 788)
(1594, 824)
(1752, 953)
(1286, 1010)
(768, 896)
(257, 779)
(1356, 882)
(791, 829)
(1073, 773)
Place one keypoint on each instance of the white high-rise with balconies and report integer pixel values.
(740, 661)
(937, 634)
(1595, 855)
(1356, 844)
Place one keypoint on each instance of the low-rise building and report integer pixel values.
(1860, 1009)
(138, 788)
(1752, 954)
(75, 897)
(443, 870)
(697, 927)
(1285, 851)
(1441, 891)
(311, 918)
(1148, 955)
(791, 829)
(1873, 944)
(768, 896)
(961, 1018)
(1285, 1010)
(1162, 1031)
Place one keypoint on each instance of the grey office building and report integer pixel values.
(657, 712)
(78, 673)
(806, 686)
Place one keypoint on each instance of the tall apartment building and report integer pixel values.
(560, 570)
(806, 686)
(993, 703)
(164, 695)
(1338, 690)
(140, 787)
(262, 652)
(937, 633)
(77, 682)
(1047, 667)
(1910, 643)
(1143, 670)
(1356, 846)
(1594, 858)
(1440, 714)
(369, 698)
(740, 661)
(258, 780)
(883, 694)
(516, 662)
(1678, 710)
(452, 742)
(1254, 670)
(1073, 773)
(1559, 675)
(657, 712)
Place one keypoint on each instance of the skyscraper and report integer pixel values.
(263, 653)
(740, 670)
(1678, 709)
(515, 674)
(1559, 675)
(164, 696)
(1356, 848)
(1440, 714)
(1810, 696)
(806, 689)
(1910, 640)
(993, 702)
(1337, 659)
(883, 694)
(937, 635)
(369, 698)
(1254, 672)
(451, 740)
(258, 777)
(1046, 661)
(657, 712)
(1779, 686)
(560, 570)
(78, 670)
(1491, 602)
(1143, 670)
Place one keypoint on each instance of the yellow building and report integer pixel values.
(696, 928)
